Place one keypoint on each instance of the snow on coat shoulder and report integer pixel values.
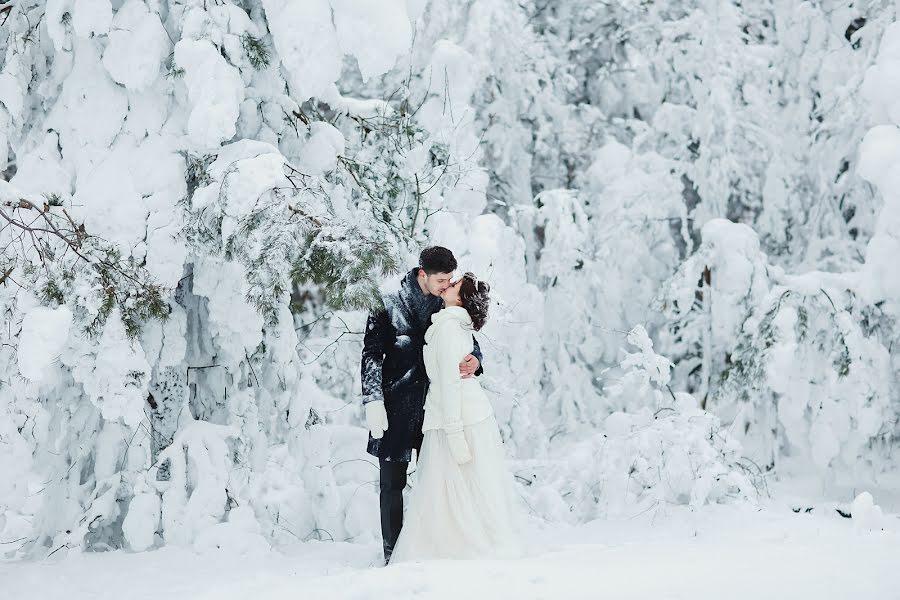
(452, 402)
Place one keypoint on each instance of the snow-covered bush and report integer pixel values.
(665, 450)
(797, 365)
(708, 299)
(600, 253)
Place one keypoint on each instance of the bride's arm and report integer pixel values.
(451, 348)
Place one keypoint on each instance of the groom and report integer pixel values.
(394, 382)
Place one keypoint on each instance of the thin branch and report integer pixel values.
(6, 274)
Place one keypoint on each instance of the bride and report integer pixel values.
(461, 506)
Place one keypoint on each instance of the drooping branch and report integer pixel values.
(49, 232)
(5, 11)
(73, 235)
(73, 238)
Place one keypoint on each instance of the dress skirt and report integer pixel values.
(460, 511)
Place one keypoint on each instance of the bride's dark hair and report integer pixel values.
(474, 297)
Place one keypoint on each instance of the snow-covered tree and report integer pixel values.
(202, 159)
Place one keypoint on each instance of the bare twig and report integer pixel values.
(5, 11)
(6, 274)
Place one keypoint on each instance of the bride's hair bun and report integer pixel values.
(475, 299)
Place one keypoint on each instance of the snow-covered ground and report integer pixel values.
(716, 552)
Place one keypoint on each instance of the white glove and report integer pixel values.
(459, 447)
(376, 418)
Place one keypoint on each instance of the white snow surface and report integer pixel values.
(734, 552)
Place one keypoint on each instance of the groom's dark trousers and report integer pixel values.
(392, 482)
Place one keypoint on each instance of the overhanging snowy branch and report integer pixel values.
(44, 248)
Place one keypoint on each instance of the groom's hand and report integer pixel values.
(376, 418)
(468, 366)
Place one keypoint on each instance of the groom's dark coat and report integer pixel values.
(393, 368)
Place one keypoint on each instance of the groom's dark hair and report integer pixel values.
(437, 259)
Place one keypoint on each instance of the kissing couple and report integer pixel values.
(420, 368)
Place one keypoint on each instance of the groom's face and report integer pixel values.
(438, 282)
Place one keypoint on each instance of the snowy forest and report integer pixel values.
(688, 212)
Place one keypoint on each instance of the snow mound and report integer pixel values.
(115, 377)
(215, 90)
(867, 516)
(307, 43)
(44, 332)
(137, 46)
(881, 86)
(320, 153)
(376, 33)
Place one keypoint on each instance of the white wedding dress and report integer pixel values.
(457, 510)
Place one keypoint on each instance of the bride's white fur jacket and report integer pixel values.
(452, 402)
